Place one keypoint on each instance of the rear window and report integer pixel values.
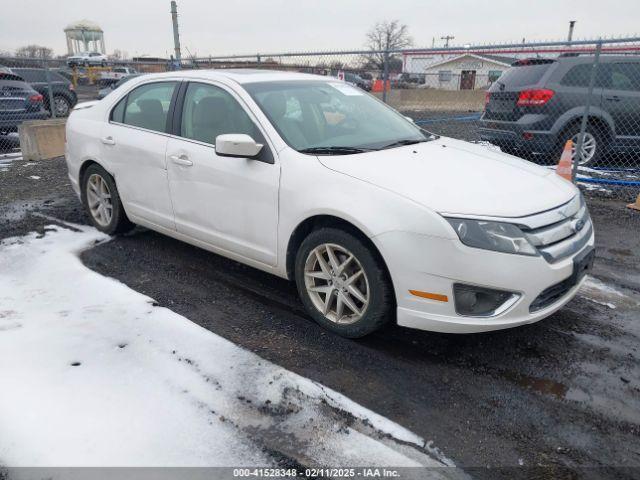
(35, 75)
(523, 75)
(31, 74)
(11, 77)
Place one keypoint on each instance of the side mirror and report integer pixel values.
(238, 145)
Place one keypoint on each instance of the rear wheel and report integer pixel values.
(61, 106)
(102, 202)
(593, 146)
(343, 284)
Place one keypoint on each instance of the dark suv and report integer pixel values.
(64, 95)
(537, 104)
(18, 102)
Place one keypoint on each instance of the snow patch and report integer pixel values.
(94, 375)
(6, 159)
(592, 284)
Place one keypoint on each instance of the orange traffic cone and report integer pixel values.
(565, 165)
(635, 206)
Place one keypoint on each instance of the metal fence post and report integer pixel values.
(585, 116)
(385, 75)
(52, 103)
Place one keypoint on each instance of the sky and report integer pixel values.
(210, 27)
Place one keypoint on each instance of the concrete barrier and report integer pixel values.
(42, 139)
(430, 99)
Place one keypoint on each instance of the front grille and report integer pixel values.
(552, 294)
(564, 231)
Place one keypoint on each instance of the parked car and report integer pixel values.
(88, 59)
(116, 73)
(18, 102)
(357, 80)
(374, 218)
(537, 105)
(64, 94)
(110, 88)
(66, 73)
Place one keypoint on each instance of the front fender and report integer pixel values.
(308, 189)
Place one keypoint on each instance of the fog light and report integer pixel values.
(472, 301)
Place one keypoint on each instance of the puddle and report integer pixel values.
(540, 385)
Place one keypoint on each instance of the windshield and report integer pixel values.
(331, 118)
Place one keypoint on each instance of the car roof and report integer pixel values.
(240, 75)
(604, 58)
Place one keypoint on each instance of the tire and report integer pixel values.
(594, 134)
(374, 284)
(61, 105)
(117, 221)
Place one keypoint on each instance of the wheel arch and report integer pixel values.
(83, 168)
(315, 222)
(598, 117)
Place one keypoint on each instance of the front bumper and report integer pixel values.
(433, 264)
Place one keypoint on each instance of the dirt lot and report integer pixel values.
(563, 394)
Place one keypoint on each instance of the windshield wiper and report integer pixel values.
(402, 143)
(334, 150)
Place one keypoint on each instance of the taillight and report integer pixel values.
(529, 98)
(487, 98)
(37, 98)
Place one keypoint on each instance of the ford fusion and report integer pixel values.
(314, 180)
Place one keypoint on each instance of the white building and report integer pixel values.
(467, 71)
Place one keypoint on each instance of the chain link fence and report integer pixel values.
(525, 99)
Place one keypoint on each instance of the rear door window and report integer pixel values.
(147, 106)
(623, 76)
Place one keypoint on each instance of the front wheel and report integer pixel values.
(102, 202)
(343, 284)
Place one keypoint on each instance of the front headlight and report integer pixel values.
(497, 236)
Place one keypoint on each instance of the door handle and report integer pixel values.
(181, 160)
(614, 98)
(108, 140)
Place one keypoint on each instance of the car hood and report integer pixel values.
(456, 177)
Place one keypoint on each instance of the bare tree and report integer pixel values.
(386, 35)
(34, 51)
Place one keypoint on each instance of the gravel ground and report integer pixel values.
(561, 396)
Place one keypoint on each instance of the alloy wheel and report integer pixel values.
(589, 146)
(99, 200)
(336, 283)
(61, 106)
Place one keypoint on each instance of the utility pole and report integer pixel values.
(572, 23)
(446, 40)
(176, 35)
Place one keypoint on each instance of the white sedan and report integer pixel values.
(312, 179)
